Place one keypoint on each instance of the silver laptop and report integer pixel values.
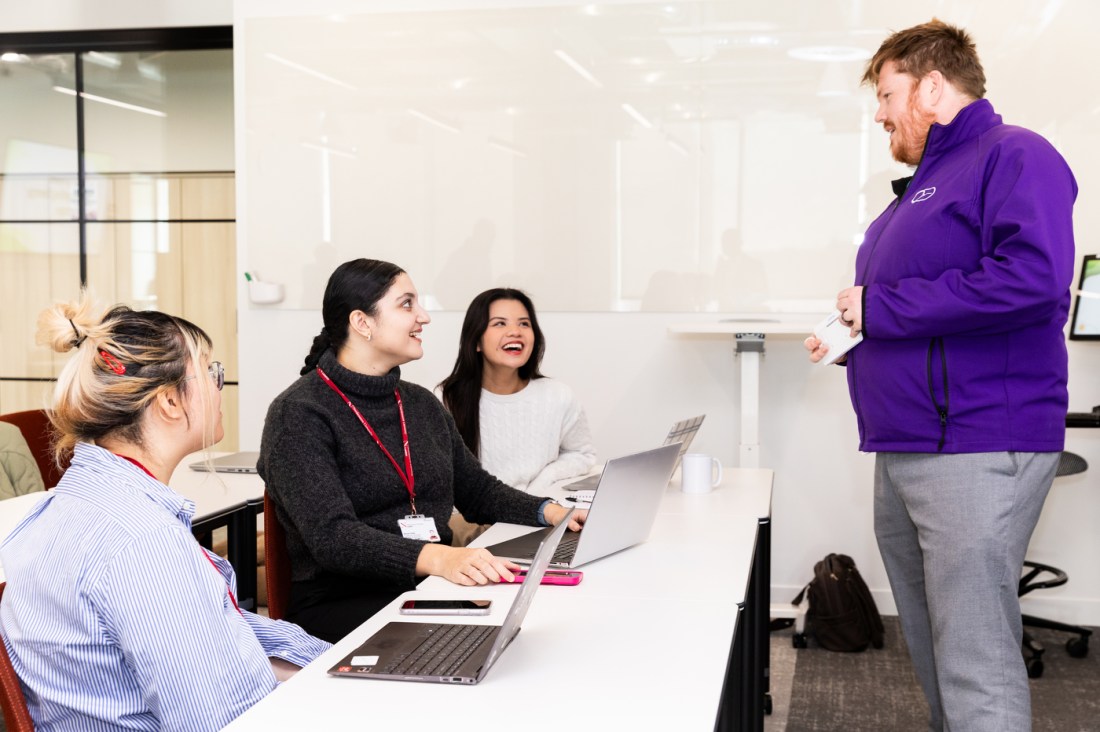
(447, 653)
(622, 512)
(682, 432)
(238, 462)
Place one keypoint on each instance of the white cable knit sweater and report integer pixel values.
(536, 436)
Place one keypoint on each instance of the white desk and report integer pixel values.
(644, 641)
(13, 510)
(226, 499)
(749, 333)
(221, 499)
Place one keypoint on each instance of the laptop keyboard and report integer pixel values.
(567, 548)
(442, 652)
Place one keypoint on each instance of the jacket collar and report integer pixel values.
(971, 121)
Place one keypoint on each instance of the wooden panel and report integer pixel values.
(209, 295)
(19, 396)
(146, 197)
(30, 281)
(208, 196)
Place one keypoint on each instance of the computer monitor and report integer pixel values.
(1085, 325)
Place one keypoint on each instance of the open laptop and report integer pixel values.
(622, 512)
(238, 462)
(447, 653)
(682, 432)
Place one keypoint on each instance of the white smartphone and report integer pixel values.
(446, 607)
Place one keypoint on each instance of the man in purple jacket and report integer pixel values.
(959, 385)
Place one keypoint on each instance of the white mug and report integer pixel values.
(697, 473)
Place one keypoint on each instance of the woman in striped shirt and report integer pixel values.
(114, 616)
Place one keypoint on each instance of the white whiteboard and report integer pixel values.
(679, 157)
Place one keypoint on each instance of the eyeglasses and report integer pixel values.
(217, 373)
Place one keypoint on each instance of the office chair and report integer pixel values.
(39, 434)
(12, 701)
(276, 563)
(1068, 464)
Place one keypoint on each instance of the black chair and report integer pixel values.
(1042, 576)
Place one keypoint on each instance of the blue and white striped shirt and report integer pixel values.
(114, 617)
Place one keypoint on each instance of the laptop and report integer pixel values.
(447, 653)
(682, 432)
(238, 462)
(623, 510)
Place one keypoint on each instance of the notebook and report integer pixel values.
(238, 462)
(623, 510)
(447, 653)
(682, 432)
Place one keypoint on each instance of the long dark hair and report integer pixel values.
(355, 285)
(462, 389)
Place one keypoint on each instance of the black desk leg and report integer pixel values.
(241, 548)
(745, 693)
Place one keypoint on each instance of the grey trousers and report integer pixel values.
(953, 530)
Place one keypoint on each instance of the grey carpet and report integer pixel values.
(877, 691)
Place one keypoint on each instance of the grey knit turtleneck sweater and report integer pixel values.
(339, 497)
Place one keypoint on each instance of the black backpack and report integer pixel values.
(842, 613)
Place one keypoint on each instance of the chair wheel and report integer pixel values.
(798, 640)
(1078, 647)
(1034, 668)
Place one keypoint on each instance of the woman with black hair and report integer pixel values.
(528, 430)
(365, 469)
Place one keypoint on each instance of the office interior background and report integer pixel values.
(633, 165)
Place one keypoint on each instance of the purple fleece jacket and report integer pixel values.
(967, 275)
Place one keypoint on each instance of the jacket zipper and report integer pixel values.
(851, 364)
(941, 410)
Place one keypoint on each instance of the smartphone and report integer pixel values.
(554, 576)
(446, 607)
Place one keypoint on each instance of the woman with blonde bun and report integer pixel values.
(114, 616)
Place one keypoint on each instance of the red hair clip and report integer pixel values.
(113, 363)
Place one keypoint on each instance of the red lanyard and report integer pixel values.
(227, 589)
(406, 475)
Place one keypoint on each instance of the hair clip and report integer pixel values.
(113, 363)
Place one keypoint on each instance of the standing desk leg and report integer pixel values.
(749, 348)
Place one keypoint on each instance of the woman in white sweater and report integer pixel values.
(528, 430)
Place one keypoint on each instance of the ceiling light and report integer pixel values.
(11, 57)
(637, 116)
(829, 53)
(311, 72)
(110, 60)
(506, 147)
(432, 120)
(322, 147)
(112, 102)
(575, 65)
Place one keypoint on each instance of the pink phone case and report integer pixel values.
(555, 577)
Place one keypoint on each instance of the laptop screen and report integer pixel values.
(526, 592)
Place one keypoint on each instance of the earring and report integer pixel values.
(368, 335)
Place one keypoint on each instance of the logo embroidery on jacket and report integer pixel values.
(924, 194)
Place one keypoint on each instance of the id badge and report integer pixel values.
(417, 526)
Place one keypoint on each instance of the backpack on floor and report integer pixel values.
(842, 613)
